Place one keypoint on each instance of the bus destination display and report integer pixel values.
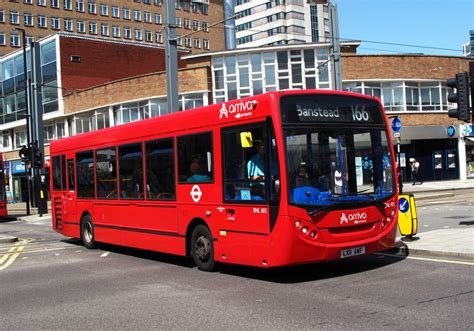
(329, 108)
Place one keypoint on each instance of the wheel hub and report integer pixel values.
(203, 248)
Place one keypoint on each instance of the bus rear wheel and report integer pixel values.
(87, 232)
(202, 248)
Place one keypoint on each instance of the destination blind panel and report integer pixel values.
(329, 109)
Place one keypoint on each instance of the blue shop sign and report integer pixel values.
(17, 167)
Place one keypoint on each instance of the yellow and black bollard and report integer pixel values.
(407, 218)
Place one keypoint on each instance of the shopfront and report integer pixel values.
(18, 188)
(436, 148)
(468, 132)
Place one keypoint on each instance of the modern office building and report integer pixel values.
(468, 48)
(279, 22)
(139, 21)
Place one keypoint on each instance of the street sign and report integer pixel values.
(396, 124)
(451, 131)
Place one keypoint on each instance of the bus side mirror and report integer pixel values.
(246, 139)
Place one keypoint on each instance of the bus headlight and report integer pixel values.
(304, 230)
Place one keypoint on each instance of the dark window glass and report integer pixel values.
(49, 72)
(195, 158)
(57, 172)
(160, 173)
(63, 172)
(70, 172)
(131, 171)
(85, 174)
(244, 167)
(2, 182)
(106, 173)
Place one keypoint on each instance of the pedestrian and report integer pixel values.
(415, 172)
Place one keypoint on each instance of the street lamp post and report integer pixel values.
(25, 77)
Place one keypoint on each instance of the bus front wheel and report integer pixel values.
(87, 232)
(202, 248)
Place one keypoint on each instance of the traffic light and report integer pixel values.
(24, 154)
(37, 157)
(461, 97)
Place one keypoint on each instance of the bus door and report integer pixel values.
(250, 185)
(59, 192)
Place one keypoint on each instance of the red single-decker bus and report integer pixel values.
(281, 178)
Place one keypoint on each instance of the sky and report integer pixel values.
(441, 26)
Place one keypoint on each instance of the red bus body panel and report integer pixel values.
(242, 233)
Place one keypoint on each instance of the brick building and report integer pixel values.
(138, 21)
(413, 87)
(74, 66)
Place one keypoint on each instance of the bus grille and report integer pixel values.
(58, 212)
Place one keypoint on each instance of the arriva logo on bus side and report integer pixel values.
(241, 109)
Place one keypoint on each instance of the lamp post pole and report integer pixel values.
(28, 142)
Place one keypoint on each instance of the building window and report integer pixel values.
(5, 140)
(104, 30)
(2, 16)
(28, 19)
(187, 42)
(148, 36)
(80, 26)
(205, 43)
(187, 23)
(197, 43)
(67, 5)
(14, 17)
(104, 10)
(126, 13)
(93, 28)
(29, 40)
(205, 26)
(204, 9)
(138, 34)
(157, 18)
(127, 32)
(42, 3)
(20, 139)
(2, 39)
(195, 8)
(147, 17)
(137, 15)
(195, 25)
(92, 7)
(54, 3)
(159, 37)
(157, 2)
(115, 12)
(14, 40)
(42, 22)
(55, 23)
(67, 24)
(116, 31)
(178, 22)
(28, 2)
(80, 5)
(186, 6)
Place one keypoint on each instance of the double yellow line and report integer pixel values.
(7, 259)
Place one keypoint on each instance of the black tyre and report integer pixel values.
(202, 248)
(87, 232)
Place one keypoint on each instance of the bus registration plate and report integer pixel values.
(352, 251)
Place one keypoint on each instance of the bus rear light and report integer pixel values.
(297, 224)
(304, 230)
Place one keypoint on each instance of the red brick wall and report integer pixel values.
(360, 67)
(102, 62)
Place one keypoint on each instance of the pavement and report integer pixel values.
(455, 244)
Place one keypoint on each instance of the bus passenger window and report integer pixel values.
(70, 172)
(244, 166)
(57, 173)
(131, 171)
(85, 174)
(160, 174)
(106, 173)
(195, 163)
